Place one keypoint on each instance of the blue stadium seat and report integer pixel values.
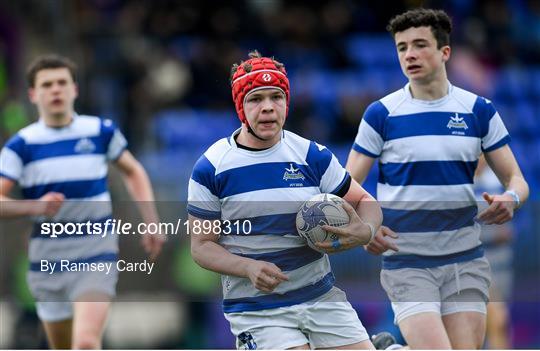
(186, 47)
(189, 128)
(383, 81)
(295, 57)
(372, 50)
(169, 165)
(519, 149)
(509, 84)
(509, 117)
(528, 123)
(319, 85)
(351, 83)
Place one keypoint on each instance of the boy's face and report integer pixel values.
(54, 92)
(419, 57)
(265, 111)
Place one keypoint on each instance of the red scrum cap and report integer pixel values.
(257, 72)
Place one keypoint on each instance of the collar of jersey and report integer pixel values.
(42, 122)
(261, 153)
(437, 102)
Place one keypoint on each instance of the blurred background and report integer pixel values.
(160, 70)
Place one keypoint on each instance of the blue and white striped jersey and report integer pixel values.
(267, 188)
(71, 160)
(428, 152)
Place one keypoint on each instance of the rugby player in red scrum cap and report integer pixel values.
(278, 292)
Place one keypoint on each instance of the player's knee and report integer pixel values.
(473, 341)
(87, 342)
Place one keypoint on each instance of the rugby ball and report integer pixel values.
(321, 209)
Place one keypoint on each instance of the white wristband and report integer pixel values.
(515, 196)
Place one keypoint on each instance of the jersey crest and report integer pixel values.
(457, 122)
(85, 146)
(292, 173)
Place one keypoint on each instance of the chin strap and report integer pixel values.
(252, 132)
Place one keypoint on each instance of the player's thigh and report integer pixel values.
(331, 322)
(363, 345)
(56, 317)
(58, 333)
(466, 330)
(92, 293)
(90, 316)
(464, 316)
(425, 330)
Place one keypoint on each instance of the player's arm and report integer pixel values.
(366, 208)
(139, 187)
(137, 183)
(501, 206)
(48, 205)
(358, 165)
(11, 170)
(209, 254)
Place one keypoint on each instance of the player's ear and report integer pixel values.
(32, 95)
(446, 51)
(76, 88)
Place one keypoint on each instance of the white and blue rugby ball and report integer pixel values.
(321, 209)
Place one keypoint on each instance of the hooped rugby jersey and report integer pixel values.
(428, 152)
(267, 188)
(72, 160)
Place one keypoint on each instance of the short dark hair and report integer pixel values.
(49, 61)
(247, 67)
(438, 20)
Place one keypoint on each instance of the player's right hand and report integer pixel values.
(265, 276)
(49, 204)
(379, 244)
(152, 244)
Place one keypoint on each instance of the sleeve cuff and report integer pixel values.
(203, 214)
(361, 150)
(2, 174)
(117, 156)
(498, 144)
(343, 187)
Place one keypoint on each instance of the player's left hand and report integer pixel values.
(356, 233)
(152, 244)
(500, 210)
